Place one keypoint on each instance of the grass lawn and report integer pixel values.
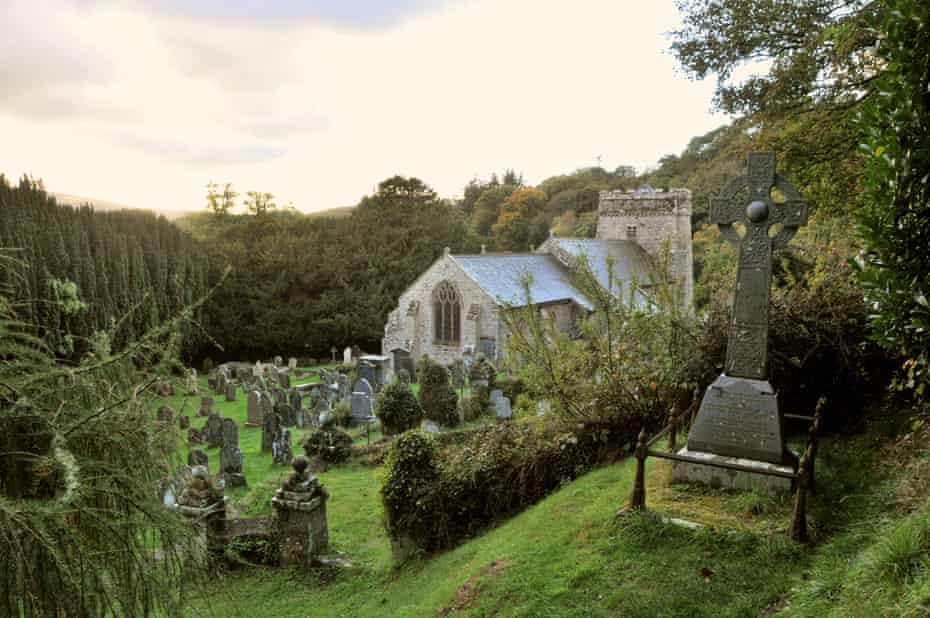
(569, 556)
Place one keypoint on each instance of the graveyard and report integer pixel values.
(465, 309)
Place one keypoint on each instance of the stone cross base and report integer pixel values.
(722, 478)
(210, 522)
(300, 519)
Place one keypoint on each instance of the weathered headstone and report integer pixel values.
(347, 356)
(197, 457)
(271, 424)
(739, 415)
(266, 403)
(284, 379)
(404, 360)
(292, 363)
(367, 371)
(192, 381)
(184, 421)
(286, 413)
(230, 432)
(230, 392)
(206, 406)
(231, 467)
(165, 415)
(502, 408)
(253, 410)
(428, 426)
(258, 371)
(361, 403)
(213, 431)
(281, 450)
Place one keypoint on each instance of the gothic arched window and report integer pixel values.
(447, 314)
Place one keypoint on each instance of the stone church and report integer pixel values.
(454, 308)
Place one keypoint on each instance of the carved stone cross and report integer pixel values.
(747, 345)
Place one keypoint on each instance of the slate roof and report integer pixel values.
(630, 260)
(501, 276)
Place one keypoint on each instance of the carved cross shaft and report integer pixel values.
(747, 346)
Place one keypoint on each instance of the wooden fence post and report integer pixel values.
(638, 494)
(798, 529)
(673, 430)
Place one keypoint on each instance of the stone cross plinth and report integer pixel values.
(739, 414)
(204, 507)
(300, 517)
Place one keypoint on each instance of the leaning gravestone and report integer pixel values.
(739, 416)
(230, 391)
(253, 410)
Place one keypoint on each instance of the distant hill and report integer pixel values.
(75, 201)
(335, 213)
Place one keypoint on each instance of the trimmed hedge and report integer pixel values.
(436, 497)
(437, 397)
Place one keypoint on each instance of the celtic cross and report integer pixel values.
(747, 346)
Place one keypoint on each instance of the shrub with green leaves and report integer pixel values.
(409, 487)
(331, 445)
(398, 408)
(437, 397)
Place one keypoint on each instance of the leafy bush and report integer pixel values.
(512, 387)
(398, 408)
(409, 487)
(437, 397)
(331, 445)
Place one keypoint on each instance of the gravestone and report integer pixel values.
(192, 382)
(230, 432)
(230, 392)
(266, 404)
(403, 360)
(258, 371)
(300, 517)
(194, 436)
(213, 431)
(286, 413)
(197, 457)
(206, 406)
(300, 418)
(271, 424)
(278, 361)
(502, 408)
(458, 374)
(231, 467)
(739, 416)
(253, 410)
(428, 426)
(367, 371)
(281, 451)
(297, 400)
(184, 421)
(165, 415)
(495, 396)
(487, 347)
(292, 363)
(361, 404)
(273, 375)
(347, 356)
(284, 379)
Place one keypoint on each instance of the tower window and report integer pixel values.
(447, 314)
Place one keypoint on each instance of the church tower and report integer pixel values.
(650, 218)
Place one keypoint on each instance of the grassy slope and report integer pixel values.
(568, 556)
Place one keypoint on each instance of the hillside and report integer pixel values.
(75, 201)
(569, 556)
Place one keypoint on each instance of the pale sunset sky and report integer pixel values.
(143, 102)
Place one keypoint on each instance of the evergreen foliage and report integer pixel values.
(895, 224)
(128, 271)
(81, 462)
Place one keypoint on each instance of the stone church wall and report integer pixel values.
(480, 315)
(655, 216)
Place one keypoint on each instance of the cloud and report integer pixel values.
(349, 14)
(273, 125)
(197, 155)
(49, 67)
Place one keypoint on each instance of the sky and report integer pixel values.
(143, 102)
